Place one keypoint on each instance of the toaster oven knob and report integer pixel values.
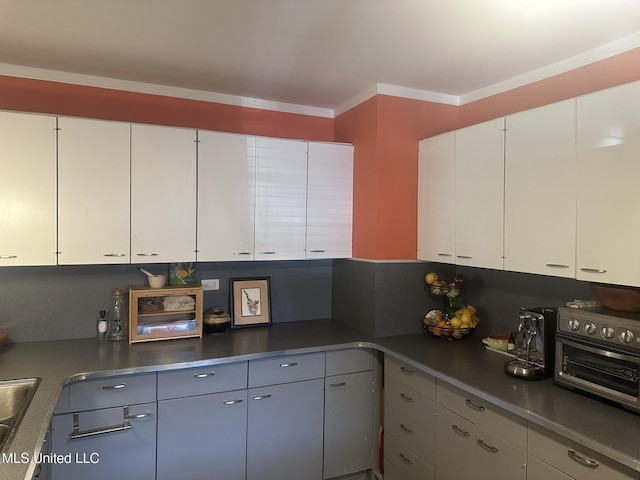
(607, 333)
(573, 324)
(625, 336)
(590, 328)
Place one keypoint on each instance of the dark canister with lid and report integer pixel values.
(215, 320)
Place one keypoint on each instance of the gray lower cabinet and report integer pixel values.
(203, 437)
(116, 442)
(284, 431)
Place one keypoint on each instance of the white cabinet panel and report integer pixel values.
(226, 196)
(281, 191)
(540, 190)
(93, 191)
(163, 194)
(608, 233)
(436, 198)
(27, 189)
(329, 200)
(479, 194)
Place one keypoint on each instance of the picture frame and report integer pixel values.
(250, 302)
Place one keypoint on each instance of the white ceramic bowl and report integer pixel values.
(157, 281)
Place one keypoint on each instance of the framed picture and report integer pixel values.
(250, 302)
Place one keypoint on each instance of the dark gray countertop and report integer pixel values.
(607, 429)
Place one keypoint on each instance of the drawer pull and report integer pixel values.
(286, 365)
(593, 270)
(406, 371)
(119, 386)
(460, 431)
(587, 462)
(204, 375)
(114, 255)
(340, 384)
(466, 257)
(232, 402)
(262, 397)
(486, 446)
(77, 433)
(147, 254)
(318, 251)
(444, 255)
(267, 252)
(8, 257)
(405, 429)
(405, 460)
(242, 253)
(406, 398)
(557, 265)
(474, 406)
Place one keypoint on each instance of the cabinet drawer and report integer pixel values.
(496, 459)
(348, 361)
(411, 404)
(291, 368)
(410, 376)
(574, 459)
(406, 463)
(504, 424)
(202, 380)
(112, 391)
(410, 435)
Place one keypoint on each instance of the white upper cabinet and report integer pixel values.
(540, 190)
(479, 194)
(281, 192)
(226, 196)
(27, 189)
(329, 200)
(93, 191)
(608, 173)
(163, 194)
(436, 198)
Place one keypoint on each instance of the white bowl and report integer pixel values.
(157, 281)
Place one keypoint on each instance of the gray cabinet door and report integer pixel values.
(124, 454)
(284, 435)
(348, 423)
(203, 437)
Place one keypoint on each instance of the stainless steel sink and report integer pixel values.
(15, 397)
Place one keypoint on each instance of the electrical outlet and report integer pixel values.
(211, 284)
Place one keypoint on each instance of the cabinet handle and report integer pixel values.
(587, 462)
(460, 431)
(486, 446)
(406, 371)
(204, 375)
(318, 250)
(557, 265)
(8, 257)
(262, 397)
(291, 364)
(444, 255)
(405, 460)
(268, 252)
(147, 254)
(114, 254)
(234, 402)
(406, 398)
(77, 433)
(405, 429)
(464, 256)
(119, 386)
(593, 270)
(341, 384)
(242, 253)
(474, 406)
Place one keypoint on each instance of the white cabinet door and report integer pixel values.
(93, 191)
(540, 191)
(163, 194)
(608, 231)
(27, 189)
(329, 200)
(226, 196)
(437, 198)
(479, 194)
(281, 191)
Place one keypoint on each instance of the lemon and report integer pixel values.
(456, 322)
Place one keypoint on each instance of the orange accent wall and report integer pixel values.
(27, 95)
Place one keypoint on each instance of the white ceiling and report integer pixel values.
(316, 53)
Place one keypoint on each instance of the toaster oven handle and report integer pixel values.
(587, 462)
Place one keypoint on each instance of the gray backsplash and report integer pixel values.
(378, 298)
